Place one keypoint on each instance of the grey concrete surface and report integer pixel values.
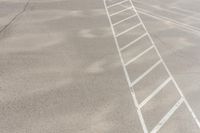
(179, 48)
(60, 71)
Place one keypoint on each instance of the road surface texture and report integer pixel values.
(60, 69)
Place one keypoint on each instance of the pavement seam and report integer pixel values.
(15, 17)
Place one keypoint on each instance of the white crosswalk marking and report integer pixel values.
(127, 30)
(120, 11)
(155, 92)
(118, 3)
(167, 116)
(148, 71)
(138, 56)
(134, 41)
(132, 16)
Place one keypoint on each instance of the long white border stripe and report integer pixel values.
(139, 111)
(126, 73)
(117, 45)
(186, 10)
(167, 116)
(169, 10)
(177, 23)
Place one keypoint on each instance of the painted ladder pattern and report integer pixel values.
(126, 24)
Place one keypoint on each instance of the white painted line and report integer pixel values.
(145, 73)
(129, 29)
(192, 112)
(155, 92)
(139, 55)
(193, 29)
(191, 16)
(117, 46)
(132, 16)
(164, 64)
(120, 11)
(118, 3)
(167, 10)
(167, 116)
(134, 41)
(186, 10)
(137, 80)
(139, 111)
(183, 26)
(170, 19)
(126, 73)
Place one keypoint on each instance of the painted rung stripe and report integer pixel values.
(155, 92)
(139, 55)
(134, 41)
(132, 16)
(121, 11)
(135, 26)
(167, 116)
(145, 73)
(118, 3)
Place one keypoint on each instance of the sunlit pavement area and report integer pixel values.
(60, 69)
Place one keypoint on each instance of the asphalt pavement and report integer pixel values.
(60, 71)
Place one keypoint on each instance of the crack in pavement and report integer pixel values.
(15, 17)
